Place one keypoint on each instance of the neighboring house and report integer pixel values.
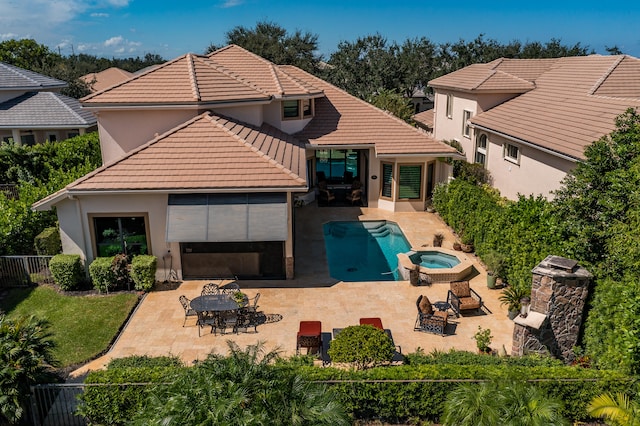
(421, 101)
(98, 81)
(425, 120)
(205, 156)
(528, 121)
(33, 111)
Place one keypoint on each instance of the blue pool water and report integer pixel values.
(434, 259)
(364, 251)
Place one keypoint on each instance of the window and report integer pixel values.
(53, 137)
(290, 109)
(449, 106)
(307, 108)
(387, 180)
(114, 235)
(410, 182)
(511, 153)
(466, 129)
(481, 149)
(28, 139)
(297, 109)
(337, 165)
(73, 134)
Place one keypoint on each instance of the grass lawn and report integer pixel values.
(82, 326)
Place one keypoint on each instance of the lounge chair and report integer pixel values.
(428, 319)
(463, 298)
(309, 336)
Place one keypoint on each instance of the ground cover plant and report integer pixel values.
(81, 326)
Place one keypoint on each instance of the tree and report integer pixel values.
(395, 103)
(245, 388)
(25, 357)
(618, 408)
(274, 43)
(363, 346)
(28, 54)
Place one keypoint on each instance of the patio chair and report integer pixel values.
(211, 288)
(252, 306)
(230, 288)
(325, 195)
(309, 336)
(247, 319)
(205, 319)
(186, 305)
(462, 297)
(355, 196)
(428, 319)
(228, 319)
(376, 322)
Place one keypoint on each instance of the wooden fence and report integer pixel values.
(16, 271)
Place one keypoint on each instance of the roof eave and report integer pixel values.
(177, 105)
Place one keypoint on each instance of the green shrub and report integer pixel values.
(143, 271)
(67, 270)
(47, 243)
(101, 274)
(363, 346)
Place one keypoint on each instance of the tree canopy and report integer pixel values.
(276, 44)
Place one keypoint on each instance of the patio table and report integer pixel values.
(215, 303)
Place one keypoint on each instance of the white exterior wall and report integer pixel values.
(273, 116)
(452, 128)
(537, 173)
(252, 114)
(121, 131)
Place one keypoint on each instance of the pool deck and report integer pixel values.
(156, 326)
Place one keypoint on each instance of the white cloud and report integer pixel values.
(7, 36)
(231, 3)
(114, 41)
(99, 15)
(118, 3)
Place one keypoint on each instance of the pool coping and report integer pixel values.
(456, 273)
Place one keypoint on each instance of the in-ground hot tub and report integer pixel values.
(435, 264)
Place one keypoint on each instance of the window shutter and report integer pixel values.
(409, 182)
(387, 178)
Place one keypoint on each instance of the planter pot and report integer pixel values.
(491, 281)
(467, 248)
(457, 246)
(513, 314)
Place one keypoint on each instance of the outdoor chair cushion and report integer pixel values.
(376, 322)
(424, 305)
(461, 288)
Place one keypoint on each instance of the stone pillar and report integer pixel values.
(558, 295)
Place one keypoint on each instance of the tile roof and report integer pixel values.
(574, 103)
(229, 74)
(44, 110)
(425, 117)
(106, 78)
(208, 152)
(14, 78)
(342, 119)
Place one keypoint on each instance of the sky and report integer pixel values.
(170, 28)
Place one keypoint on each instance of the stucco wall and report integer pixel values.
(252, 114)
(452, 128)
(122, 131)
(537, 173)
(273, 116)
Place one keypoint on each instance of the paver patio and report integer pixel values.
(156, 326)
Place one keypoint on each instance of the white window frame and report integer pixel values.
(508, 154)
(481, 150)
(449, 106)
(466, 128)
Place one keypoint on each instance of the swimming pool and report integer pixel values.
(364, 251)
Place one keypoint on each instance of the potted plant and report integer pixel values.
(483, 340)
(494, 261)
(467, 244)
(457, 246)
(511, 297)
(437, 239)
(240, 298)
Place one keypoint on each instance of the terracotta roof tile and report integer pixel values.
(106, 78)
(342, 119)
(208, 152)
(575, 102)
(425, 117)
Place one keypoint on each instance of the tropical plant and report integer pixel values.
(501, 403)
(618, 409)
(494, 261)
(245, 388)
(363, 346)
(512, 295)
(25, 359)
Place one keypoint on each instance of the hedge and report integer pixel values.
(101, 274)
(47, 243)
(391, 394)
(143, 271)
(67, 270)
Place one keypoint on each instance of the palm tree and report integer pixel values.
(618, 408)
(526, 405)
(25, 358)
(472, 405)
(245, 388)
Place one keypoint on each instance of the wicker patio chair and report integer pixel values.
(462, 297)
(429, 320)
(211, 288)
(188, 311)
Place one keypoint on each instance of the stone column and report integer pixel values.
(558, 295)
